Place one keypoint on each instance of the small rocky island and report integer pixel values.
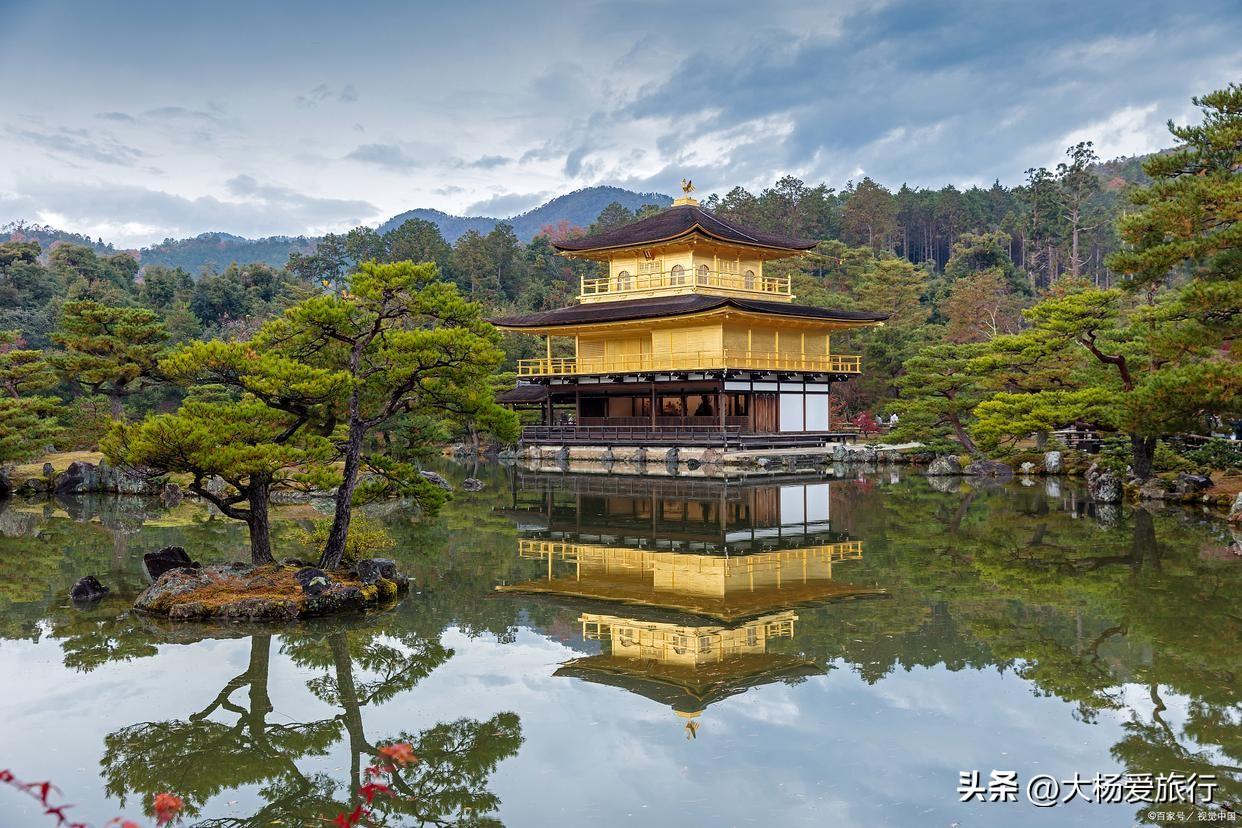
(185, 590)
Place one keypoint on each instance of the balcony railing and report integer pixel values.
(636, 283)
(690, 361)
(645, 560)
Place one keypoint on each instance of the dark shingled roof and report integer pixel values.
(665, 306)
(679, 221)
(524, 394)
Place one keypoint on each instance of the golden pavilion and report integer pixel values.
(684, 666)
(685, 584)
(684, 339)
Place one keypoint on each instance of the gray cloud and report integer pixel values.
(488, 162)
(924, 91)
(506, 204)
(182, 113)
(325, 92)
(255, 209)
(81, 144)
(932, 95)
(573, 161)
(385, 155)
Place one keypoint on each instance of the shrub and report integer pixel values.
(1218, 454)
(1115, 454)
(367, 538)
(1166, 459)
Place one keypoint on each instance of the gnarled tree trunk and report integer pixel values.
(260, 526)
(1142, 454)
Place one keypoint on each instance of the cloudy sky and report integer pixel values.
(144, 120)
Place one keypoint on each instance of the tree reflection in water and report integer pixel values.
(233, 741)
(1124, 614)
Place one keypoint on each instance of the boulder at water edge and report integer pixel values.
(989, 468)
(1154, 489)
(171, 495)
(170, 557)
(87, 591)
(1192, 484)
(1104, 487)
(83, 478)
(1053, 462)
(437, 480)
(314, 581)
(472, 484)
(945, 465)
(241, 592)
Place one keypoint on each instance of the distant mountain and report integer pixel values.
(48, 236)
(451, 227)
(216, 251)
(581, 207)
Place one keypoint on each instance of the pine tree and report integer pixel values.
(262, 431)
(113, 351)
(405, 342)
(1149, 360)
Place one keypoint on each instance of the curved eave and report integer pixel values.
(694, 229)
(725, 309)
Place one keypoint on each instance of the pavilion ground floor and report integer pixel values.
(731, 410)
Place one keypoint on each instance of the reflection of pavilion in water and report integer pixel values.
(685, 584)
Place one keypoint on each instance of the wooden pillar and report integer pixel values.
(653, 405)
(578, 405)
(720, 402)
(547, 410)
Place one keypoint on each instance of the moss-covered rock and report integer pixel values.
(241, 592)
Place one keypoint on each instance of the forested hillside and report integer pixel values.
(1060, 222)
(216, 251)
(1008, 313)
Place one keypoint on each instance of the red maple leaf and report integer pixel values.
(400, 752)
(167, 806)
(370, 790)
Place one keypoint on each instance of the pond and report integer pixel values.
(614, 651)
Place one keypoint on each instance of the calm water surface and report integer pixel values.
(606, 651)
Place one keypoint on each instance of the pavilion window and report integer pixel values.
(623, 280)
(704, 273)
(749, 280)
(736, 405)
(677, 276)
(672, 406)
(701, 405)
